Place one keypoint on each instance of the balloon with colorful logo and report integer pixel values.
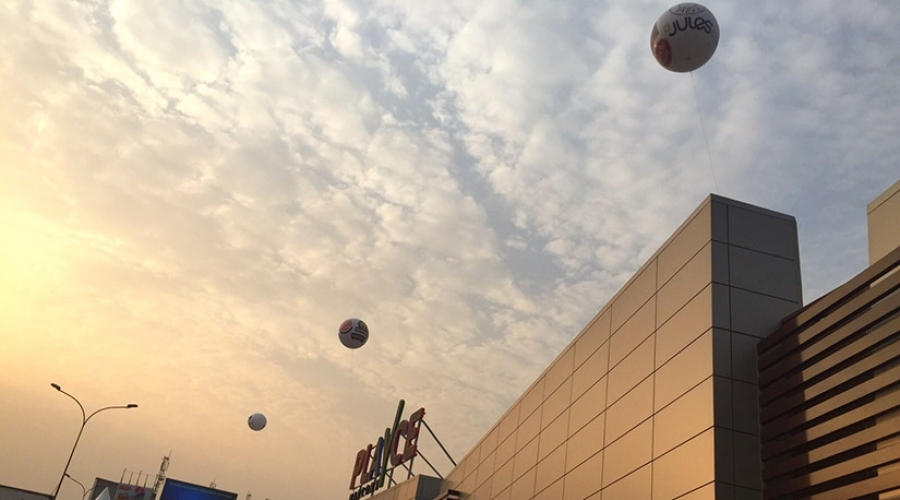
(684, 37)
(257, 421)
(353, 333)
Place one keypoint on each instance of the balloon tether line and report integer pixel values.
(703, 129)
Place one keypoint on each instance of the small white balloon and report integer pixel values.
(684, 37)
(353, 333)
(257, 421)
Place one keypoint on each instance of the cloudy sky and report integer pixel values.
(195, 193)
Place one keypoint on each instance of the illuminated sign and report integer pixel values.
(375, 460)
(180, 490)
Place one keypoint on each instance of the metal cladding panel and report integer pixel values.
(13, 493)
(656, 398)
(829, 382)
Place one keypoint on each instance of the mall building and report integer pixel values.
(705, 377)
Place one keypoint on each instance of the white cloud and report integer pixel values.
(196, 46)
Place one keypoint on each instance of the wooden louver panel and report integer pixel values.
(829, 382)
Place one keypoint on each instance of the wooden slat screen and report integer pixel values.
(829, 382)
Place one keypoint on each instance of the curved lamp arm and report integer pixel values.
(83, 489)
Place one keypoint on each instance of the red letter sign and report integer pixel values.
(358, 467)
(412, 434)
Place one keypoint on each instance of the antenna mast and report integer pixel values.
(161, 477)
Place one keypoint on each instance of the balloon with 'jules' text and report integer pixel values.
(684, 37)
(353, 333)
(257, 421)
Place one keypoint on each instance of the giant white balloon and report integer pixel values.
(257, 421)
(353, 333)
(684, 37)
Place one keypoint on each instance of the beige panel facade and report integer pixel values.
(883, 216)
(655, 399)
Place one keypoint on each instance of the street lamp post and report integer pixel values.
(84, 421)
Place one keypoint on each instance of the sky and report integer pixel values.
(194, 195)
